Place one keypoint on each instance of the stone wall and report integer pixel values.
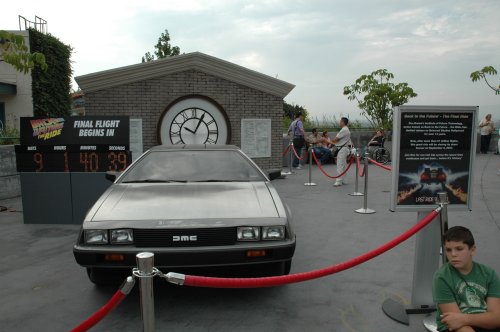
(148, 100)
(9, 177)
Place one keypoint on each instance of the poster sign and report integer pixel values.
(75, 130)
(433, 151)
(74, 144)
(256, 137)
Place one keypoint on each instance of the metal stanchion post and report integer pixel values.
(365, 209)
(443, 201)
(145, 262)
(290, 161)
(310, 183)
(356, 190)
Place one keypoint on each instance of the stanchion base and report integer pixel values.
(399, 313)
(356, 194)
(365, 211)
(430, 324)
(310, 184)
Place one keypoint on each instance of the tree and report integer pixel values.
(481, 74)
(377, 95)
(163, 49)
(290, 111)
(14, 51)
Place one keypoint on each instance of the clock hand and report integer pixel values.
(199, 123)
(189, 130)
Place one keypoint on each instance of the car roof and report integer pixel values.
(194, 147)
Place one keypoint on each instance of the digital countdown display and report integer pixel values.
(43, 161)
(74, 144)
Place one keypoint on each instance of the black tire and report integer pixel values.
(280, 269)
(288, 267)
(382, 156)
(106, 277)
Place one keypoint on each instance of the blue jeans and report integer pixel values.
(322, 153)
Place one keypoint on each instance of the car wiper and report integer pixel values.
(154, 181)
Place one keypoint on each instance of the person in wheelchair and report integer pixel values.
(377, 150)
(377, 140)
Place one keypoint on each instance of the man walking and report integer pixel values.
(343, 144)
(296, 131)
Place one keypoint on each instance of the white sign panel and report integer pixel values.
(256, 137)
(136, 138)
(433, 152)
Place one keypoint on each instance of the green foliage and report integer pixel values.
(15, 52)
(290, 111)
(163, 49)
(51, 88)
(377, 95)
(330, 121)
(9, 136)
(481, 74)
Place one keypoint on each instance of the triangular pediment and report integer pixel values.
(190, 61)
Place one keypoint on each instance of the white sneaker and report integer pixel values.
(298, 167)
(337, 183)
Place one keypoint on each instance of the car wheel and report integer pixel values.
(105, 277)
(288, 267)
(279, 269)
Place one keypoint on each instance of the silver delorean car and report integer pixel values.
(193, 206)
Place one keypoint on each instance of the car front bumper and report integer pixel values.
(95, 256)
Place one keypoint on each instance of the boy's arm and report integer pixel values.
(490, 319)
(453, 318)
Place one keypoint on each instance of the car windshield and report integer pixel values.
(193, 166)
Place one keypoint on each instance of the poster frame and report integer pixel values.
(396, 145)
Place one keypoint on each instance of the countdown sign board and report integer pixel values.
(433, 151)
(74, 144)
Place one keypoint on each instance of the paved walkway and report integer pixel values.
(43, 289)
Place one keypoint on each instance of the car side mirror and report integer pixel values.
(111, 175)
(274, 174)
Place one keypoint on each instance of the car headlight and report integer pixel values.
(122, 236)
(248, 233)
(273, 233)
(96, 236)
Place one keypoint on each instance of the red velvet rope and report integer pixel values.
(363, 171)
(198, 281)
(324, 172)
(296, 155)
(286, 151)
(101, 313)
(380, 165)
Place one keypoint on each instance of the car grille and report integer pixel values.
(197, 237)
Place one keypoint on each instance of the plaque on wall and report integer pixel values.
(136, 145)
(256, 137)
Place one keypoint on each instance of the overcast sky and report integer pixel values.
(318, 45)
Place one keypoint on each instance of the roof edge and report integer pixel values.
(197, 61)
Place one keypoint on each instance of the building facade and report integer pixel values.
(15, 92)
(148, 91)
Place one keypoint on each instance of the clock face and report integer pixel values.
(193, 126)
(193, 121)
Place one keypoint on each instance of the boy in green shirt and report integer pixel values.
(467, 293)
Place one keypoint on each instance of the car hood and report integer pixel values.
(181, 201)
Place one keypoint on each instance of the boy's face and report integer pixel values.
(459, 255)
